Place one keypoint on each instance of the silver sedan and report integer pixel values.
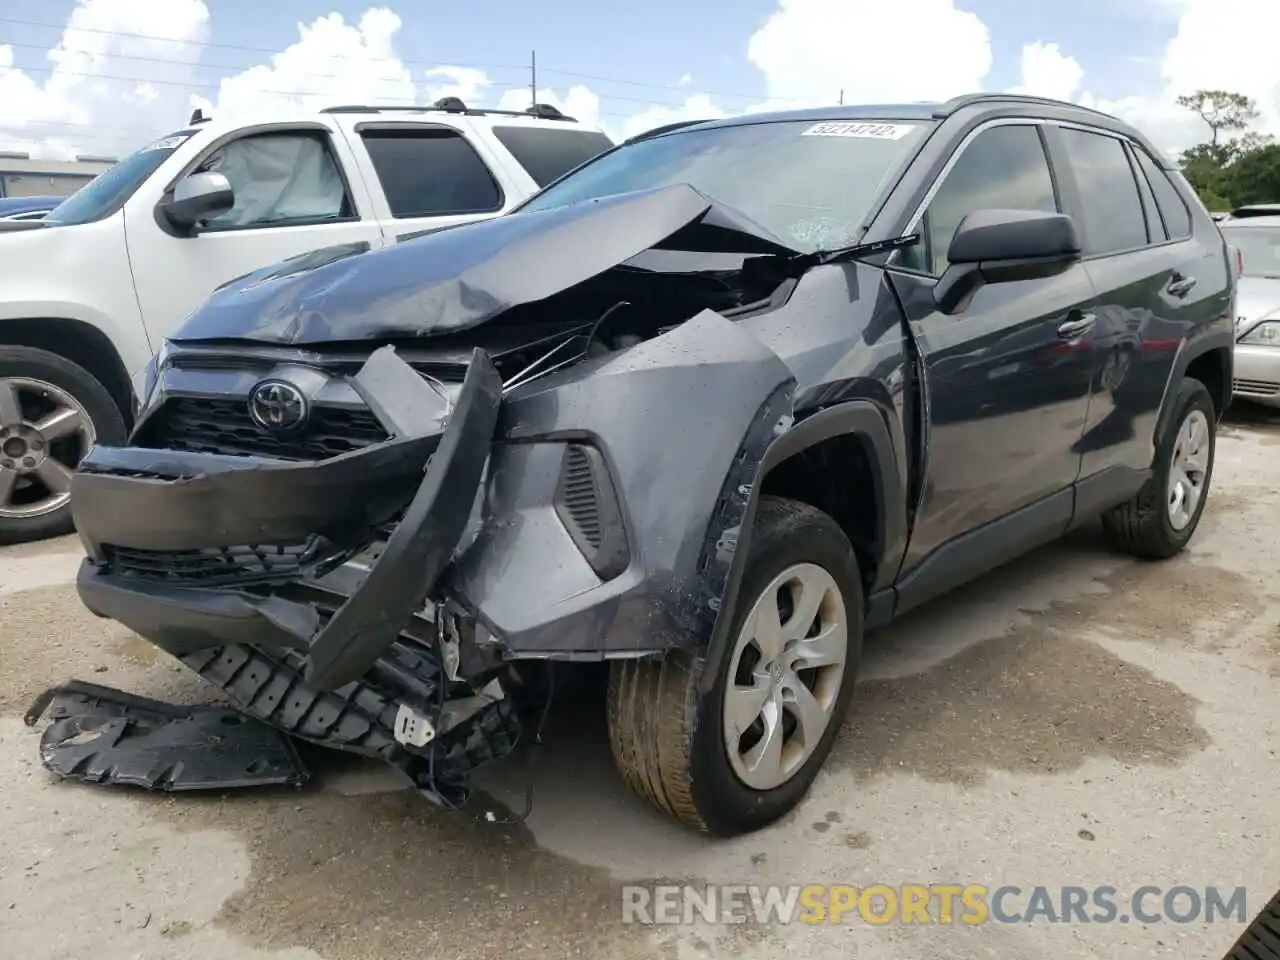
(1257, 355)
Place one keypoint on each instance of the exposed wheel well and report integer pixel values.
(82, 344)
(835, 476)
(1211, 369)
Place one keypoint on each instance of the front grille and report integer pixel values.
(1259, 388)
(200, 425)
(212, 566)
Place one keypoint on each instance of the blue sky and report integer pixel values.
(654, 43)
(635, 55)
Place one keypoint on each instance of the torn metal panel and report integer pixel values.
(106, 736)
(685, 401)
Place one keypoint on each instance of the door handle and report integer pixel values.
(1076, 328)
(1179, 285)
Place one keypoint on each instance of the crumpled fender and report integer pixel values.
(681, 423)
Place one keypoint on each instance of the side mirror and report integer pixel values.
(198, 197)
(1000, 246)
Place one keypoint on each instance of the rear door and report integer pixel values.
(426, 175)
(1153, 281)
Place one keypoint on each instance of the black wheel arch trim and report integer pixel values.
(1221, 337)
(730, 529)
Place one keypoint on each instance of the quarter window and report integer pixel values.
(1173, 209)
(279, 179)
(1111, 205)
(1003, 168)
(431, 172)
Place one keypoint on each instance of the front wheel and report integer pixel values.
(746, 753)
(51, 412)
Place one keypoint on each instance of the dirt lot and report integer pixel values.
(1074, 719)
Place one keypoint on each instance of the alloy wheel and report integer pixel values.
(785, 674)
(44, 432)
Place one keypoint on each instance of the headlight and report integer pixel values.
(1265, 334)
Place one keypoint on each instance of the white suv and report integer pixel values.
(89, 292)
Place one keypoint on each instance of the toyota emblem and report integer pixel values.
(277, 406)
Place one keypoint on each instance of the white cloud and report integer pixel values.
(48, 112)
(466, 83)
(1048, 72)
(331, 62)
(697, 107)
(811, 50)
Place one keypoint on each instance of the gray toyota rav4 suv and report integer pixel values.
(708, 408)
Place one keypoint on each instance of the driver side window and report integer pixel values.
(1002, 168)
(278, 179)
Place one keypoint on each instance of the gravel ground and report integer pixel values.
(1076, 718)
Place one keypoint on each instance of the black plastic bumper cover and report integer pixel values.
(106, 736)
(182, 620)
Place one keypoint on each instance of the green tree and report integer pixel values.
(1254, 177)
(1222, 111)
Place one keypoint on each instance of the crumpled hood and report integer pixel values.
(458, 277)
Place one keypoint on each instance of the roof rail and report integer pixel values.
(665, 128)
(969, 99)
(541, 111)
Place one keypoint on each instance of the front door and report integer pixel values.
(291, 197)
(1007, 377)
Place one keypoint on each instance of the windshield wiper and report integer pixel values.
(857, 251)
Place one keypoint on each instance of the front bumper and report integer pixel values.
(197, 501)
(1257, 374)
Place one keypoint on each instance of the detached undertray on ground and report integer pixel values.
(106, 736)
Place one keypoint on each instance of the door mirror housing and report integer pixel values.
(1000, 246)
(198, 197)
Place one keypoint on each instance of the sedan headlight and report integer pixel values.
(1265, 334)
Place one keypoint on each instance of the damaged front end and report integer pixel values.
(292, 585)
(366, 548)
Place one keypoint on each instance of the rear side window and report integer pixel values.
(1003, 168)
(1173, 209)
(431, 172)
(548, 153)
(1113, 220)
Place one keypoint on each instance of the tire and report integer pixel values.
(106, 425)
(668, 741)
(1143, 526)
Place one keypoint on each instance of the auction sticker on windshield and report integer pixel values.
(859, 130)
(170, 142)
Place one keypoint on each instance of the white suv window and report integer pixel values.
(431, 171)
(279, 179)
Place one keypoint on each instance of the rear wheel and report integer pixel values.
(1162, 517)
(51, 412)
(747, 752)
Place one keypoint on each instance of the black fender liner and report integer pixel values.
(731, 529)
